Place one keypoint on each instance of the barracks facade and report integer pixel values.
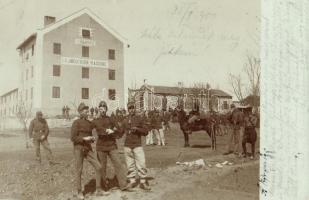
(76, 59)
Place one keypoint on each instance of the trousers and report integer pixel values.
(136, 163)
(149, 138)
(234, 141)
(90, 156)
(120, 171)
(45, 144)
(159, 133)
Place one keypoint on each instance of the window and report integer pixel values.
(32, 50)
(111, 74)
(85, 93)
(26, 74)
(112, 94)
(56, 92)
(56, 70)
(85, 72)
(86, 33)
(26, 95)
(111, 54)
(32, 72)
(225, 105)
(31, 93)
(85, 51)
(57, 48)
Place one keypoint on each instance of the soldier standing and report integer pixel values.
(167, 118)
(38, 132)
(149, 138)
(133, 150)
(81, 136)
(157, 123)
(250, 122)
(106, 145)
(236, 119)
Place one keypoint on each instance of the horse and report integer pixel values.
(206, 123)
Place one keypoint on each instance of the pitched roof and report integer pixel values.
(78, 14)
(167, 90)
(71, 17)
(9, 92)
(26, 41)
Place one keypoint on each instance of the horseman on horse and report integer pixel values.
(196, 122)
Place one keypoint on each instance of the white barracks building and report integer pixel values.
(76, 59)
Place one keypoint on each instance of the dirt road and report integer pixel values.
(22, 178)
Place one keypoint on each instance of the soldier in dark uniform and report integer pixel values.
(135, 128)
(236, 119)
(181, 114)
(106, 146)
(38, 132)
(167, 118)
(250, 122)
(81, 136)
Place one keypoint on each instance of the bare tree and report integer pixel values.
(23, 115)
(74, 104)
(237, 85)
(252, 69)
(253, 72)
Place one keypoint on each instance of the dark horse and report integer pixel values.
(204, 124)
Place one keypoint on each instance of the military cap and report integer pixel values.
(131, 105)
(82, 106)
(39, 113)
(102, 104)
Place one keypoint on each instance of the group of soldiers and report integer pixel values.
(134, 125)
(108, 131)
(243, 125)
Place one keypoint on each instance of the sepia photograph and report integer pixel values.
(130, 100)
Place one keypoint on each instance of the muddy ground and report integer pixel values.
(22, 178)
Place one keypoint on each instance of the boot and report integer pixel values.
(144, 186)
(100, 192)
(80, 195)
(128, 187)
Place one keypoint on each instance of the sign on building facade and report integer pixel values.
(84, 62)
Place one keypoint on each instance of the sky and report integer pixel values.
(170, 41)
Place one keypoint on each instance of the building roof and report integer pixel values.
(26, 41)
(71, 17)
(167, 90)
(9, 92)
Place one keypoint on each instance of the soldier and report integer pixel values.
(149, 137)
(250, 122)
(81, 136)
(236, 119)
(133, 150)
(38, 132)
(106, 146)
(167, 118)
(157, 122)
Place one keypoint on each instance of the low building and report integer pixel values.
(9, 103)
(149, 97)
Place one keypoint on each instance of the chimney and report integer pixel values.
(49, 20)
